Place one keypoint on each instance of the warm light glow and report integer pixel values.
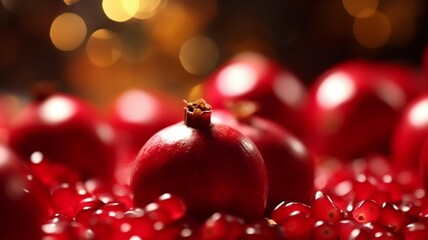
(391, 94)
(237, 79)
(335, 90)
(120, 10)
(288, 88)
(104, 48)
(56, 110)
(147, 8)
(9, 4)
(373, 31)
(418, 116)
(199, 55)
(4, 155)
(68, 31)
(127, 105)
(195, 93)
(70, 2)
(360, 8)
(105, 132)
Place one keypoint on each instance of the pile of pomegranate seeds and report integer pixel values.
(365, 199)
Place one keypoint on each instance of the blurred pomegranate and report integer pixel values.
(136, 115)
(66, 131)
(353, 107)
(24, 201)
(289, 164)
(410, 134)
(253, 77)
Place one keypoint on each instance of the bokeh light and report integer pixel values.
(360, 8)
(9, 4)
(70, 2)
(373, 31)
(104, 48)
(147, 8)
(199, 55)
(68, 31)
(120, 10)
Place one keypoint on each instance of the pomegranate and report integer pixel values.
(410, 134)
(353, 107)
(212, 167)
(251, 76)
(24, 201)
(136, 115)
(289, 165)
(67, 131)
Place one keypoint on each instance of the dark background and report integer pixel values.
(305, 36)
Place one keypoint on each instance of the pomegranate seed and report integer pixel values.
(324, 209)
(89, 202)
(392, 217)
(222, 226)
(114, 207)
(366, 211)
(325, 231)
(283, 210)
(157, 214)
(173, 205)
(364, 186)
(66, 197)
(416, 231)
(386, 236)
(298, 225)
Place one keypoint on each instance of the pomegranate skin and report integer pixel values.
(254, 77)
(213, 169)
(289, 164)
(24, 201)
(136, 115)
(353, 107)
(410, 134)
(66, 130)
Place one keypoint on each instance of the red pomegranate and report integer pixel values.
(136, 115)
(24, 201)
(254, 77)
(353, 107)
(212, 167)
(410, 134)
(290, 166)
(67, 131)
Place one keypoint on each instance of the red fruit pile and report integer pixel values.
(346, 159)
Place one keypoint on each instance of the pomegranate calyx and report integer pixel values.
(197, 114)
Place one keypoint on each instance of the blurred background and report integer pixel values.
(98, 48)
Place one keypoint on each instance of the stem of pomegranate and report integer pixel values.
(197, 114)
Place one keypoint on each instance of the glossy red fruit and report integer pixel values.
(212, 167)
(24, 201)
(298, 225)
(66, 130)
(283, 210)
(289, 164)
(253, 77)
(325, 231)
(416, 231)
(323, 208)
(410, 133)
(352, 109)
(366, 211)
(136, 115)
(222, 226)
